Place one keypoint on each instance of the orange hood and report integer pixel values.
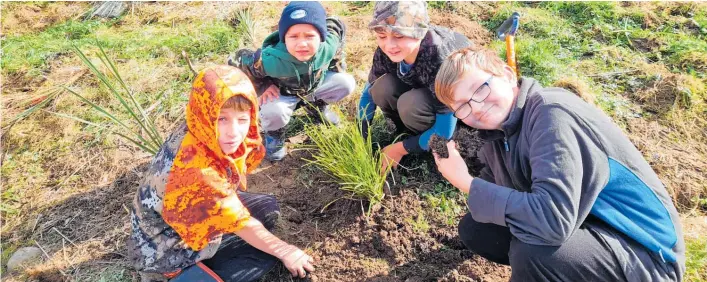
(200, 201)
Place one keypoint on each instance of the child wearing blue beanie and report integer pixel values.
(301, 64)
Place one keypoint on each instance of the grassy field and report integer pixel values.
(66, 185)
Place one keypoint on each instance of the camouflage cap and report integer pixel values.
(408, 18)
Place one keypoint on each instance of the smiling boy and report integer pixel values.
(564, 195)
(401, 81)
(303, 60)
(192, 219)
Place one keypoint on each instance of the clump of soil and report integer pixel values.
(466, 139)
(439, 145)
(468, 143)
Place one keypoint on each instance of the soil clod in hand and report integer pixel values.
(438, 144)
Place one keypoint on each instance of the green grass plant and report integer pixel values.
(419, 223)
(343, 153)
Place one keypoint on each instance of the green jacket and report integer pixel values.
(272, 64)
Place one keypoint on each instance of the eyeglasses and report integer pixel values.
(479, 96)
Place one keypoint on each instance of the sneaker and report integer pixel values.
(322, 109)
(274, 146)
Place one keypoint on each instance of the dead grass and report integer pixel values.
(578, 87)
(21, 17)
(679, 162)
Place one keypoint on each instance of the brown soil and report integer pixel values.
(439, 145)
(22, 18)
(646, 44)
(402, 240)
(471, 29)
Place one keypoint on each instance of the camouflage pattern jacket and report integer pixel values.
(272, 64)
(187, 201)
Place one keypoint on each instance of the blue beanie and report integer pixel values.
(303, 12)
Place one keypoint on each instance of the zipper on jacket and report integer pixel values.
(505, 144)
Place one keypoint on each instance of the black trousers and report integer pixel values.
(236, 260)
(412, 110)
(585, 256)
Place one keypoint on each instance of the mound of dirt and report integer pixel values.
(576, 86)
(25, 18)
(471, 29)
(403, 240)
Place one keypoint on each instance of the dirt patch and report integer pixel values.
(399, 242)
(360, 44)
(403, 240)
(82, 233)
(576, 86)
(22, 18)
(667, 91)
(694, 227)
(471, 29)
(646, 44)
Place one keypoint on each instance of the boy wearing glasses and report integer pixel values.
(564, 195)
(401, 80)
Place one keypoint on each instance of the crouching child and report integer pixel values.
(191, 218)
(564, 194)
(301, 64)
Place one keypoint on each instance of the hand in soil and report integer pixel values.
(453, 168)
(439, 145)
(297, 262)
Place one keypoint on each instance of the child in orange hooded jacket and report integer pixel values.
(191, 216)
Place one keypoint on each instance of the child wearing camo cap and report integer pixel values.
(401, 80)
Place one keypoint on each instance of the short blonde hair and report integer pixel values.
(238, 103)
(461, 62)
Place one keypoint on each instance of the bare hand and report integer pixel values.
(454, 168)
(392, 154)
(297, 262)
(270, 94)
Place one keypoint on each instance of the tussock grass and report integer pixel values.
(342, 152)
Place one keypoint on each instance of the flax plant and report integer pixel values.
(139, 129)
(244, 20)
